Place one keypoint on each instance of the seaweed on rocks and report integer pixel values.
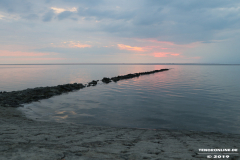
(17, 98)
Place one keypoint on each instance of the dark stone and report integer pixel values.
(115, 79)
(93, 83)
(106, 80)
(17, 98)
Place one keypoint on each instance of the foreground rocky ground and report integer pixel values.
(25, 139)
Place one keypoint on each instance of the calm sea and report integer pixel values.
(187, 97)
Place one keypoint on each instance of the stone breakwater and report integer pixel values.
(17, 98)
(128, 76)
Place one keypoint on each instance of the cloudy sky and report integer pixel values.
(119, 31)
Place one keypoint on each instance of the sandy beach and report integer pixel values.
(22, 138)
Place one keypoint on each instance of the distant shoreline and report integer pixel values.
(125, 64)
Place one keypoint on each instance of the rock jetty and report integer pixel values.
(128, 76)
(17, 98)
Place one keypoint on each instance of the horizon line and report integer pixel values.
(121, 64)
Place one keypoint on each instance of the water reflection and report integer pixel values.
(186, 97)
(20, 77)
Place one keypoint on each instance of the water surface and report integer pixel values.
(187, 97)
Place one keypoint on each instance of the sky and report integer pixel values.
(113, 31)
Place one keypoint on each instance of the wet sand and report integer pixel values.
(25, 139)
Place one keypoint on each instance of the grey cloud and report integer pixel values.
(15, 6)
(82, 3)
(190, 4)
(64, 15)
(120, 28)
(31, 17)
(83, 51)
(105, 14)
(87, 3)
(189, 20)
(48, 1)
(181, 21)
(74, 19)
(48, 16)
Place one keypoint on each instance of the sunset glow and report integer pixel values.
(130, 48)
(115, 32)
(78, 45)
(165, 54)
(4, 53)
(175, 54)
(1, 16)
(60, 10)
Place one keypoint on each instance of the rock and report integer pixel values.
(93, 83)
(106, 80)
(115, 79)
(17, 98)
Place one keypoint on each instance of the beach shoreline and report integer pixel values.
(23, 138)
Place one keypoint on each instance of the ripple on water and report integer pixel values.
(192, 98)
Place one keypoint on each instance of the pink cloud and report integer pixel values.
(176, 54)
(155, 41)
(153, 50)
(130, 48)
(41, 59)
(165, 54)
(72, 44)
(5, 53)
(31, 59)
(161, 54)
(191, 45)
(155, 47)
(79, 46)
